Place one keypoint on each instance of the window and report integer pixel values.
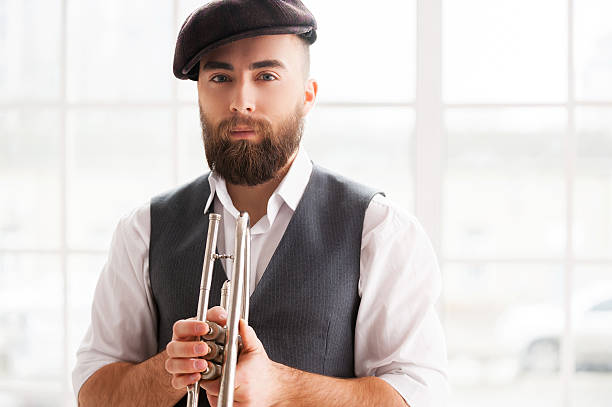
(490, 120)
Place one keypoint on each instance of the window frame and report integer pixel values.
(429, 162)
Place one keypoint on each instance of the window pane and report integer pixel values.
(117, 161)
(364, 52)
(187, 89)
(504, 191)
(593, 194)
(503, 323)
(370, 145)
(31, 314)
(192, 160)
(21, 394)
(505, 51)
(29, 179)
(120, 50)
(30, 40)
(593, 45)
(593, 336)
(83, 273)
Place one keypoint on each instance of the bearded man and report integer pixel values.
(343, 281)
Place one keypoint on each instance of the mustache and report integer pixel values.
(260, 126)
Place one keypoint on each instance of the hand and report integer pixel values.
(258, 379)
(185, 350)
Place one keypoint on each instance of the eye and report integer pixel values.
(268, 77)
(219, 78)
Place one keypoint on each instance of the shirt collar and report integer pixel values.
(289, 191)
(293, 185)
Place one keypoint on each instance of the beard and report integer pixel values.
(243, 162)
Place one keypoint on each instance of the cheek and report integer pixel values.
(280, 100)
(212, 105)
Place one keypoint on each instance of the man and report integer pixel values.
(343, 282)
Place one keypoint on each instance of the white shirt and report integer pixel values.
(398, 335)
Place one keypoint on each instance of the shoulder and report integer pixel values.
(340, 190)
(388, 226)
(384, 211)
(198, 188)
(395, 246)
(133, 231)
(336, 180)
(135, 226)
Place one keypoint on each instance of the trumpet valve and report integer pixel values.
(215, 333)
(212, 371)
(215, 352)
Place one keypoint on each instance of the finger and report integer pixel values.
(217, 314)
(187, 329)
(212, 400)
(180, 381)
(182, 366)
(212, 387)
(250, 341)
(191, 349)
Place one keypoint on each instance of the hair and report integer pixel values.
(305, 45)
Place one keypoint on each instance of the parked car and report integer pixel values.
(532, 333)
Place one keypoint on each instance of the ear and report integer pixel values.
(311, 87)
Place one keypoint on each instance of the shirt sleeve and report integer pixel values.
(123, 318)
(398, 335)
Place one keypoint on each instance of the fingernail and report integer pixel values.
(200, 364)
(200, 349)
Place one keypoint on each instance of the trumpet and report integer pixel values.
(224, 342)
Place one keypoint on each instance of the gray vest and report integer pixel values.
(305, 306)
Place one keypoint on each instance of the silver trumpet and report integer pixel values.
(224, 342)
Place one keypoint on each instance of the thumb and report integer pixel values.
(250, 341)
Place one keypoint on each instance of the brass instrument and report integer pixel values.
(224, 341)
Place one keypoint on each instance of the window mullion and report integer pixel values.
(567, 343)
(65, 382)
(429, 139)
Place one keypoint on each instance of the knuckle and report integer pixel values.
(173, 366)
(176, 328)
(170, 349)
(215, 310)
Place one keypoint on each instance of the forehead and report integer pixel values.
(283, 47)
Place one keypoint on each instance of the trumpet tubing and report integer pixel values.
(224, 342)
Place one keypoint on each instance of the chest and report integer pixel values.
(266, 234)
(305, 305)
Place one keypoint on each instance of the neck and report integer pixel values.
(254, 199)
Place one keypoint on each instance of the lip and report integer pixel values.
(242, 128)
(242, 134)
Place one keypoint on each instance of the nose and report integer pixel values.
(243, 98)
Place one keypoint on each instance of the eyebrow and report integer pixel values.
(267, 63)
(217, 65)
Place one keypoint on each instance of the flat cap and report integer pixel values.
(223, 21)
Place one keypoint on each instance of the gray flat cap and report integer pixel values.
(223, 21)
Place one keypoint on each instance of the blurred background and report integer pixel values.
(491, 120)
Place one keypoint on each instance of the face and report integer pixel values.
(253, 97)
